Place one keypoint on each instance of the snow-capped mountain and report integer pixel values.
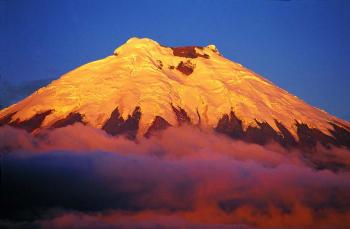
(145, 86)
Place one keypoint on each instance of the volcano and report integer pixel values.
(145, 87)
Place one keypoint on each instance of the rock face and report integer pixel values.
(145, 87)
(116, 125)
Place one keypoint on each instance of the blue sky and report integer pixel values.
(302, 46)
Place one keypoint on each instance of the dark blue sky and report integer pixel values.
(302, 46)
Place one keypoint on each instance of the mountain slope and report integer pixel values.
(144, 86)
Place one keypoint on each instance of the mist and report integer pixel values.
(181, 177)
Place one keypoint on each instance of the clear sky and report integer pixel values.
(302, 46)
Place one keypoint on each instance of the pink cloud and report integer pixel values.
(181, 176)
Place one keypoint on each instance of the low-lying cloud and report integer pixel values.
(80, 177)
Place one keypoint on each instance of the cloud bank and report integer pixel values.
(79, 177)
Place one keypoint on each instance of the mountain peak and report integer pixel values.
(213, 48)
(145, 84)
(144, 40)
(136, 44)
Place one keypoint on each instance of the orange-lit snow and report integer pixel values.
(139, 73)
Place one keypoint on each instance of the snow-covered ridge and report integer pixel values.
(142, 73)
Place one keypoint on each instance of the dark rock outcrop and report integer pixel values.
(228, 124)
(309, 137)
(181, 115)
(188, 52)
(6, 119)
(341, 135)
(158, 124)
(231, 126)
(185, 67)
(69, 120)
(116, 125)
(31, 124)
(262, 134)
(287, 140)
